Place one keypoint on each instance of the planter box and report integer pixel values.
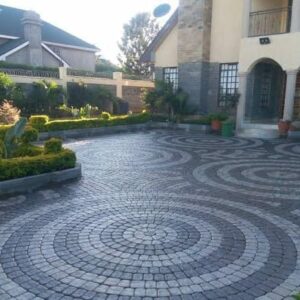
(90, 132)
(30, 183)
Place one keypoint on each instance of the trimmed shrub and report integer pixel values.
(2, 150)
(205, 120)
(3, 130)
(105, 115)
(27, 150)
(38, 122)
(59, 125)
(53, 145)
(29, 166)
(30, 135)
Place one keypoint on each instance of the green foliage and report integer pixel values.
(38, 121)
(3, 153)
(45, 96)
(8, 113)
(53, 145)
(6, 86)
(105, 115)
(8, 65)
(218, 117)
(27, 150)
(12, 136)
(137, 36)
(297, 297)
(80, 95)
(104, 65)
(164, 99)
(3, 130)
(30, 135)
(29, 166)
(59, 125)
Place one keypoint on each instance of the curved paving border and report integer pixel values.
(140, 226)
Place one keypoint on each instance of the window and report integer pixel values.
(229, 82)
(171, 75)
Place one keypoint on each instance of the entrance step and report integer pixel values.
(260, 133)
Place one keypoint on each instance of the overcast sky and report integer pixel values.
(99, 22)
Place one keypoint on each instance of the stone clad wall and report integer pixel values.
(194, 33)
(133, 95)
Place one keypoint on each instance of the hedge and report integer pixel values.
(3, 130)
(29, 166)
(59, 125)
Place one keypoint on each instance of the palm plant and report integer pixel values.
(12, 136)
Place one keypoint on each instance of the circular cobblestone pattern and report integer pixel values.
(155, 218)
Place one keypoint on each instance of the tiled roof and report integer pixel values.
(11, 25)
(10, 45)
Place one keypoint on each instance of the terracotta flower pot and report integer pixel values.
(283, 127)
(216, 125)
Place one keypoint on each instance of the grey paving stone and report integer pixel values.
(159, 215)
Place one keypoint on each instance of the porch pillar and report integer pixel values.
(246, 18)
(291, 80)
(295, 22)
(243, 79)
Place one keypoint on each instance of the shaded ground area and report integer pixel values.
(166, 215)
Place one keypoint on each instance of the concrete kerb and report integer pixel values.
(90, 132)
(31, 183)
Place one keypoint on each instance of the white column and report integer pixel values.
(63, 76)
(291, 80)
(118, 76)
(295, 22)
(243, 78)
(246, 18)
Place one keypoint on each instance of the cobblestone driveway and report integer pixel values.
(167, 215)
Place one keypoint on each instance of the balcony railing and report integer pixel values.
(267, 22)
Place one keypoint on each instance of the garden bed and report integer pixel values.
(31, 183)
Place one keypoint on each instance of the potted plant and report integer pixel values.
(284, 127)
(230, 102)
(216, 121)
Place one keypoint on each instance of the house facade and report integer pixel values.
(215, 49)
(26, 39)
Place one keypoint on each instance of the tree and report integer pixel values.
(137, 36)
(104, 65)
(165, 99)
(6, 87)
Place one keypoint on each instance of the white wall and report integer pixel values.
(167, 55)
(284, 49)
(226, 30)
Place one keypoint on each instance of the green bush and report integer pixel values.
(29, 166)
(3, 130)
(27, 150)
(2, 150)
(30, 135)
(38, 122)
(53, 145)
(205, 120)
(8, 65)
(105, 115)
(218, 117)
(59, 125)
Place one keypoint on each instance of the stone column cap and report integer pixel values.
(31, 17)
